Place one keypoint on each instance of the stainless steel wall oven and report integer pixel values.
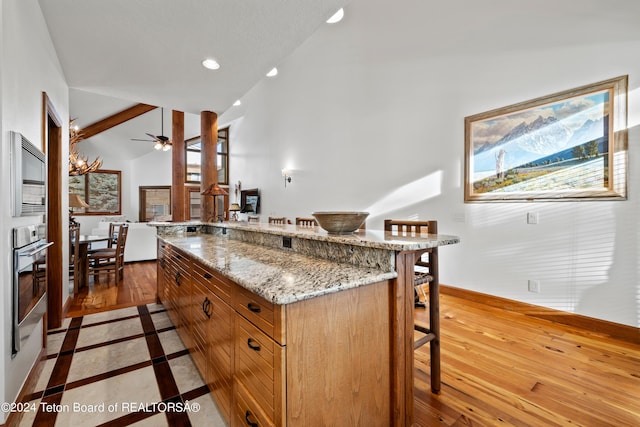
(29, 294)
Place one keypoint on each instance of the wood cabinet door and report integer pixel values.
(220, 378)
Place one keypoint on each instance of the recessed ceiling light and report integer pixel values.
(337, 17)
(235, 104)
(273, 72)
(211, 64)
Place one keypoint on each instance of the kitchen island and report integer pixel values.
(303, 327)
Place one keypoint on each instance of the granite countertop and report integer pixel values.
(278, 275)
(378, 239)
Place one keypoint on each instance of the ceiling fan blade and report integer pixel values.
(145, 140)
(155, 138)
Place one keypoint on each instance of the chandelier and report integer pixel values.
(79, 164)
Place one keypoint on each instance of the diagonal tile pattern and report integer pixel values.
(120, 368)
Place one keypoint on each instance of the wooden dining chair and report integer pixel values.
(74, 254)
(425, 273)
(306, 222)
(110, 260)
(114, 229)
(278, 220)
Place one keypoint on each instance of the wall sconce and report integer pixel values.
(287, 176)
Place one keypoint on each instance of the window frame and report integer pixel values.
(223, 134)
(86, 194)
(142, 200)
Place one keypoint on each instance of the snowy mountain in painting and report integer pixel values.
(541, 138)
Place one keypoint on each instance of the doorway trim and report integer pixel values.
(52, 142)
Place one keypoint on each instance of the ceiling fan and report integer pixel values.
(162, 142)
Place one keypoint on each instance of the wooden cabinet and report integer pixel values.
(259, 367)
(177, 289)
(259, 358)
(247, 412)
(320, 361)
(212, 329)
(162, 269)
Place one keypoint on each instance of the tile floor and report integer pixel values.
(120, 368)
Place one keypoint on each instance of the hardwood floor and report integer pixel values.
(499, 367)
(504, 368)
(138, 287)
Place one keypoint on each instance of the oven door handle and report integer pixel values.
(36, 250)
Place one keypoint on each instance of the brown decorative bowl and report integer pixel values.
(340, 222)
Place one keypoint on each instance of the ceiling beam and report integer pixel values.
(115, 120)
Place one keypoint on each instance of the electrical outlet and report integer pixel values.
(532, 217)
(286, 241)
(534, 286)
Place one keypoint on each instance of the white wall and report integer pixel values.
(28, 66)
(369, 115)
(151, 169)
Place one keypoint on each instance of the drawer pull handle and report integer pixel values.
(178, 278)
(249, 422)
(162, 263)
(206, 304)
(253, 346)
(208, 276)
(253, 307)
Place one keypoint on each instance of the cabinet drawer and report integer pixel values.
(181, 259)
(247, 412)
(258, 365)
(215, 282)
(163, 249)
(262, 313)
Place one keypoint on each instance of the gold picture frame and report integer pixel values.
(570, 145)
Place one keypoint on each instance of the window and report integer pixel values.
(155, 203)
(193, 199)
(194, 148)
(100, 190)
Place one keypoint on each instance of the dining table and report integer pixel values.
(86, 240)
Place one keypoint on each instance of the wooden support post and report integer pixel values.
(402, 338)
(178, 157)
(209, 173)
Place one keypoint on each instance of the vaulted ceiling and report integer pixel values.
(120, 52)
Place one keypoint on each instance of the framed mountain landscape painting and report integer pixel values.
(570, 145)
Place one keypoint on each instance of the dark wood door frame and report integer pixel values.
(52, 143)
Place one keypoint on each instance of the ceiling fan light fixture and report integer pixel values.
(158, 146)
(166, 147)
(210, 64)
(273, 72)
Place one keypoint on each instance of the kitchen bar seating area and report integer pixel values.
(328, 216)
(286, 279)
(462, 352)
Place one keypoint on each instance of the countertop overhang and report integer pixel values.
(279, 276)
(284, 275)
(376, 239)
